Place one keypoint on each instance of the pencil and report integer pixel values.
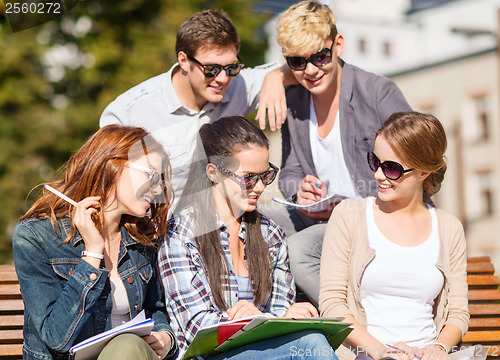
(60, 194)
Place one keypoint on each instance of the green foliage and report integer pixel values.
(56, 78)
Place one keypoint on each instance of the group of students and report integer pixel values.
(185, 241)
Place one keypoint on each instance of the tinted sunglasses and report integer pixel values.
(248, 181)
(153, 176)
(212, 70)
(321, 58)
(391, 169)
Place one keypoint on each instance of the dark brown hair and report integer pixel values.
(93, 171)
(420, 141)
(218, 142)
(206, 28)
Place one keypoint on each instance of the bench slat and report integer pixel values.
(482, 281)
(484, 309)
(11, 337)
(478, 259)
(11, 322)
(10, 291)
(490, 323)
(486, 268)
(11, 306)
(482, 337)
(14, 351)
(484, 295)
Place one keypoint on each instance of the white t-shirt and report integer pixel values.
(154, 105)
(399, 286)
(120, 312)
(328, 158)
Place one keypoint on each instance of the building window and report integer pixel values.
(362, 45)
(486, 192)
(482, 118)
(387, 48)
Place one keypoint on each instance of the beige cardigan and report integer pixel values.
(346, 253)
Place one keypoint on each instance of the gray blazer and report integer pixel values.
(366, 101)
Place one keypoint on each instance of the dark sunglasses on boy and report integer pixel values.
(391, 169)
(319, 59)
(212, 70)
(248, 181)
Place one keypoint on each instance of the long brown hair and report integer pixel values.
(420, 141)
(93, 171)
(217, 144)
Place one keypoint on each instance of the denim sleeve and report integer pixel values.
(58, 309)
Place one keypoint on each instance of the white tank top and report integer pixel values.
(399, 286)
(120, 312)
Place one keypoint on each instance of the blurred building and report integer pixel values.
(444, 57)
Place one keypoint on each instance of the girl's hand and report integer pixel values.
(82, 219)
(301, 310)
(405, 352)
(160, 342)
(242, 309)
(433, 352)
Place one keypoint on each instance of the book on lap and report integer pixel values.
(230, 335)
(92, 347)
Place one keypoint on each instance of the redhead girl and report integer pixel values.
(87, 268)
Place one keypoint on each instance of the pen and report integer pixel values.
(60, 194)
(400, 350)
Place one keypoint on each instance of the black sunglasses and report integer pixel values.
(391, 169)
(248, 181)
(321, 58)
(212, 70)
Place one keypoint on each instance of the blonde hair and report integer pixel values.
(304, 28)
(420, 141)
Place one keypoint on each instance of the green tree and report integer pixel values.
(56, 78)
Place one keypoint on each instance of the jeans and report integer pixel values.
(305, 344)
(127, 347)
(305, 243)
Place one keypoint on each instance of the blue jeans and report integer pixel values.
(300, 345)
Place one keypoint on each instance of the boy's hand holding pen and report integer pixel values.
(311, 190)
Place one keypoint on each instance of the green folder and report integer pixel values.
(206, 340)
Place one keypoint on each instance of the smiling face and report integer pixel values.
(205, 89)
(406, 188)
(230, 197)
(134, 193)
(319, 80)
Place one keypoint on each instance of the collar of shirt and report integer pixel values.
(224, 231)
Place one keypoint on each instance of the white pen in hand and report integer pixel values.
(60, 194)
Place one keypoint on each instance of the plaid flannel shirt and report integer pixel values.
(190, 304)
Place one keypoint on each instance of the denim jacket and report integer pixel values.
(66, 299)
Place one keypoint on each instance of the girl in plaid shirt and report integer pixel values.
(222, 259)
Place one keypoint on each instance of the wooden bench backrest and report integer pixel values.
(484, 307)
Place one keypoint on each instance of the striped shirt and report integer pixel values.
(190, 304)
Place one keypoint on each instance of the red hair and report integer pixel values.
(93, 171)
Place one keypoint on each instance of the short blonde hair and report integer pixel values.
(304, 28)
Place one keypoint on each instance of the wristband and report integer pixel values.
(444, 347)
(92, 254)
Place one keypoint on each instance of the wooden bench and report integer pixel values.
(11, 314)
(484, 308)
